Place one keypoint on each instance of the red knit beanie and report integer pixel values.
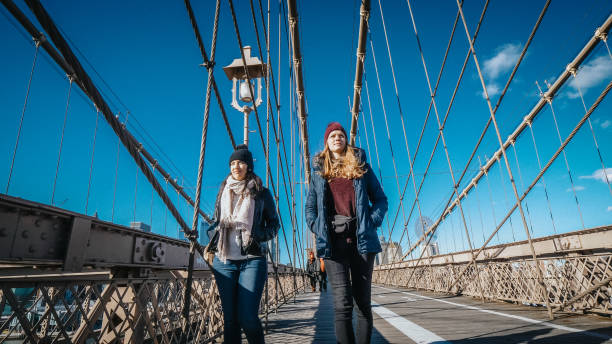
(331, 127)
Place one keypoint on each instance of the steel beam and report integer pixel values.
(35, 233)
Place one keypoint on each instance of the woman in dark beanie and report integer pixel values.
(245, 218)
(344, 207)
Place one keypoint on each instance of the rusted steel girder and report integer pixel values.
(299, 83)
(361, 51)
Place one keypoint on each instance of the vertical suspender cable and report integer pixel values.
(91, 165)
(518, 168)
(25, 104)
(115, 182)
(59, 153)
(601, 161)
(194, 227)
(569, 172)
(502, 186)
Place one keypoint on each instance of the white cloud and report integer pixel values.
(576, 188)
(590, 74)
(610, 208)
(600, 175)
(606, 124)
(492, 90)
(504, 60)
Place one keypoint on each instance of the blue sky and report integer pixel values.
(144, 58)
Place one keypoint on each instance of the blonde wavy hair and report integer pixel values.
(348, 166)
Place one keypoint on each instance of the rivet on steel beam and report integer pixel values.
(44, 235)
(37, 223)
(31, 249)
(25, 234)
(51, 250)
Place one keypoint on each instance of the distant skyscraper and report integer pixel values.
(391, 251)
(140, 226)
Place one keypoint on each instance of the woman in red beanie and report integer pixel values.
(344, 207)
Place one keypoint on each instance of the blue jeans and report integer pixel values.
(240, 284)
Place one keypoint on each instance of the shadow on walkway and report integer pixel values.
(584, 337)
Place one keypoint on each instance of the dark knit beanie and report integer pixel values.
(331, 127)
(242, 153)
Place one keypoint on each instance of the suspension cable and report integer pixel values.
(384, 111)
(431, 156)
(116, 176)
(194, 227)
(601, 161)
(544, 289)
(502, 186)
(441, 129)
(59, 154)
(531, 115)
(567, 166)
(518, 168)
(399, 105)
(535, 148)
(25, 104)
(91, 165)
(491, 203)
(535, 181)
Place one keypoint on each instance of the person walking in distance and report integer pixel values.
(345, 205)
(312, 270)
(244, 219)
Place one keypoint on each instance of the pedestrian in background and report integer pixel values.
(344, 207)
(312, 270)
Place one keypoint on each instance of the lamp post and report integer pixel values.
(236, 71)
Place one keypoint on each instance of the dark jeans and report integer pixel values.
(240, 284)
(313, 282)
(323, 281)
(350, 275)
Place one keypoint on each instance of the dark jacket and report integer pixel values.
(265, 221)
(312, 268)
(371, 206)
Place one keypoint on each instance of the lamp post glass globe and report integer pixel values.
(245, 92)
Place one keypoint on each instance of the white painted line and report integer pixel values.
(517, 317)
(407, 327)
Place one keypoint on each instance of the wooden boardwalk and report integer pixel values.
(403, 316)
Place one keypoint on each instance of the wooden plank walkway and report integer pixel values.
(406, 316)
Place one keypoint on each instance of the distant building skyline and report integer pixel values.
(391, 251)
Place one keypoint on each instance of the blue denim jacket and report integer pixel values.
(371, 206)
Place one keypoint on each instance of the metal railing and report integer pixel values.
(577, 272)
